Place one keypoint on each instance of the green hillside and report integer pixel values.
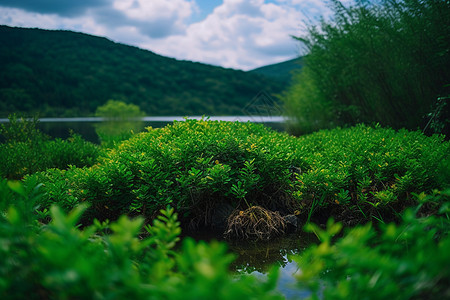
(63, 73)
(282, 71)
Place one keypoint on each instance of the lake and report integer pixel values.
(85, 126)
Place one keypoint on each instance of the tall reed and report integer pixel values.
(381, 61)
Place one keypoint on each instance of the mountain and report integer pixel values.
(281, 71)
(64, 73)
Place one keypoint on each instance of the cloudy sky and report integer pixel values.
(241, 34)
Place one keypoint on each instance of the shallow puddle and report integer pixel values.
(258, 257)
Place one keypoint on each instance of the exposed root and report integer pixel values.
(255, 222)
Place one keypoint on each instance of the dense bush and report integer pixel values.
(362, 171)
(405, 261)
(26, 150)
(20, 129)
(121, 121)
(201, 166)
(61, 260)
(374, 61)
(118, 111)
(193, 165)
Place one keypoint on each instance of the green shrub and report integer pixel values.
(26, 150)
(364, 171)
(22, 158)
(193, 165)
(122, 120)
(354, 174)
(405, 261)
(118, 111)
(20, 129)
(308, 110)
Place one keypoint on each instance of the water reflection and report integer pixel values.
(111, 132)
(257, 258)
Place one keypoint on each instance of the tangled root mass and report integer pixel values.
(255, 223)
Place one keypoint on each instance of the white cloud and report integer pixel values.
(150, 10)
(238, 34)
(156, 18)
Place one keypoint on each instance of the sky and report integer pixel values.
(239, 34)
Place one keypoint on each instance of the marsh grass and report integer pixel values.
(374, 62)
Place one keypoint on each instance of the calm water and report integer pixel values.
(257, 258)
(60, 127)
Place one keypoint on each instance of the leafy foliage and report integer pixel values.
(21, 129)
(193, 165)
(122, 120)
(62, 73)
(65, 260)
(118, 111)
(405, 261)
(374, 61)
(367, 171)
(354, 174)
(62, 260)
(26, 150)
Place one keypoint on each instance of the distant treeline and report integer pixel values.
(283, 71)
(63, 73)
(383, 61)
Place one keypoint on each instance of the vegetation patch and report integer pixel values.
(375, 61)
(25, 150)
(403, 261)
(193, 165)
(355, 174)
(110, 260)
(361, 173)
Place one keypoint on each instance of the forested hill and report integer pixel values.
(63, 73)
(282, 71)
